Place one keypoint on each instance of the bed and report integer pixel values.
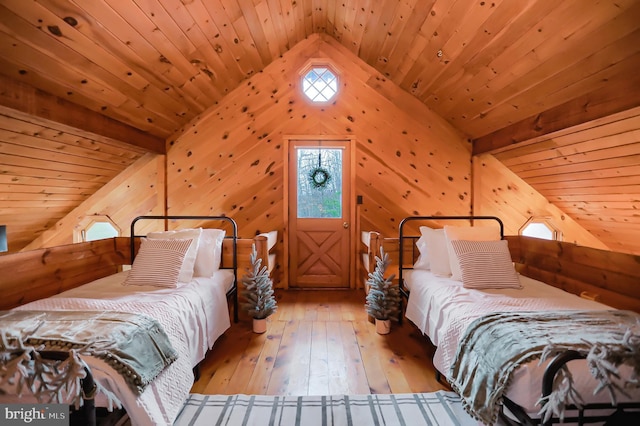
(191, 308)
(449, 307)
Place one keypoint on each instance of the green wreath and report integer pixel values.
(319, 177)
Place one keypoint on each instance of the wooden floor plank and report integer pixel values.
(279, 380)
(300, 367)
(319, 364)
(337, 371)
(224, 363)
(369, 351)
(318, 342)
(356, 374)
(262, 365)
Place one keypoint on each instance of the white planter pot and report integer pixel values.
(383, 326)
(259, 325)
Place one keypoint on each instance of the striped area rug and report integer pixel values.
(438, 408)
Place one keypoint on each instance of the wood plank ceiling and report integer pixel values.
(502, 71)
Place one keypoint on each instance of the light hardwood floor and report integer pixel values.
(318, 343)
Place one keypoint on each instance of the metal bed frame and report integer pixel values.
(233, 292)
(552, 369)
(87, 413)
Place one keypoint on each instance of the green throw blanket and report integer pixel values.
(135, 345)
(494, 345)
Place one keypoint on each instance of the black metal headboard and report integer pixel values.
(233, 292)
(403, 236)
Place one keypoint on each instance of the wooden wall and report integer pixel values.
(497, 191)
(606, 276)
(230, 159)
(138, 190)
(591, 172)
(48, 168)
(36, 274)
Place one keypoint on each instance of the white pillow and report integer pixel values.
(476, 233)
(186, 272)
(209, 253)
(423, 248)
(158, 262)
(486, 264)
(437, 249)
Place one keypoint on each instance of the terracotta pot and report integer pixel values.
(259, 325)
(383, 326)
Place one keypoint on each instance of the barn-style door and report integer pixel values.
(319, 214)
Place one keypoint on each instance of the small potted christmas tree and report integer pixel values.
(383, 299)
(258, 293)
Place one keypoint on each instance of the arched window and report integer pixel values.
(541, 227)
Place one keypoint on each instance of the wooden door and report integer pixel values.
(319, 212)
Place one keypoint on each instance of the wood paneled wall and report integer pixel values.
(36, 274)
(497, 191)
(230, 159)
(609, 277)
(591, 172)
(47, 169)
(139, 190)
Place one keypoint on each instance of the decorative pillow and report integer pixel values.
(486, 264)
(437, 249)
(186, 272)
(209, 253)
(158, 262)
(476, 233)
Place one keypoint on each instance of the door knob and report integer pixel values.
(345, 225)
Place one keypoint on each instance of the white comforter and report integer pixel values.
(193, 316)
(442, 309)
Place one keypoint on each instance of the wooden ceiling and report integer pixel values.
(504, 72)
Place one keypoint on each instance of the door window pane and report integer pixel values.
(319, 183)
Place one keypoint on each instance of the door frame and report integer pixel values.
(350, 140)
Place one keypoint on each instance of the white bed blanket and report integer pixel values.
(193, 316)
(442, 309)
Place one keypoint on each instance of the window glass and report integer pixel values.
(319, 84)
(541, 227)
(319, 183)
(99, 231)
(538, 230)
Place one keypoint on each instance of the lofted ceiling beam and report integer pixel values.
(620, 95)
(22, 97)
